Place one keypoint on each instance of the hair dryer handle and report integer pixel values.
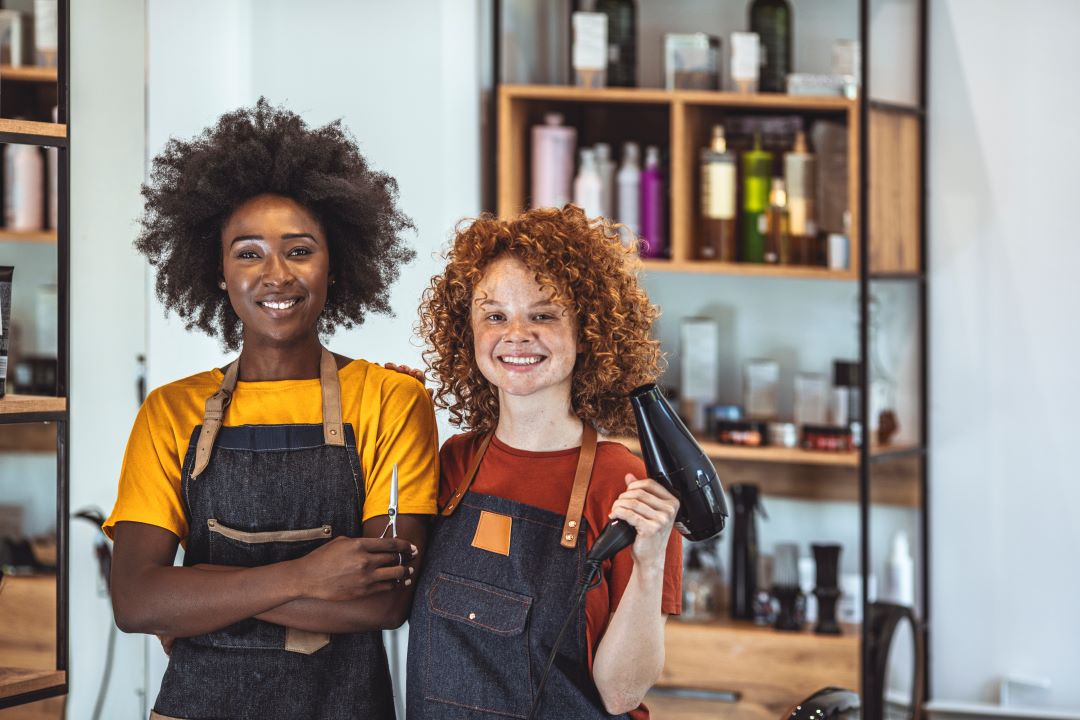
(617, 535)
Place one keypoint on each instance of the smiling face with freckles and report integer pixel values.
(525, 344)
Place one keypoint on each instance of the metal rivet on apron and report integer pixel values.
(333, 432)
(211, 523)
(450, 507)
(472, 616)
(569, 536)
(572, 523)
(326, 529)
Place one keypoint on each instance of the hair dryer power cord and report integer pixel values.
(590, 580)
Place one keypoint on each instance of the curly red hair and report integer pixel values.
(590, 271)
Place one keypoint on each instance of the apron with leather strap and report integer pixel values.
(262, 494)
(498, 580)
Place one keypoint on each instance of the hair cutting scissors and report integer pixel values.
(391, 510)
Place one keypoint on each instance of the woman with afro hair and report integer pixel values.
(275, 472)
(537, 331)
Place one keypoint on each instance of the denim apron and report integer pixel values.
(485, 616)
(273, 493)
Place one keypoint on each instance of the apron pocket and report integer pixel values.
(240, 548)
(482, 627)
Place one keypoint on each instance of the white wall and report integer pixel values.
(1003, 146)
(107, 317)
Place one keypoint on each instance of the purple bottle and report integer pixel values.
(654, 240)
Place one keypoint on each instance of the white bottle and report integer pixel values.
(900, 573)
(628, 180)
(552, 162)
(588, 188)
(606, 165)
(24, 179)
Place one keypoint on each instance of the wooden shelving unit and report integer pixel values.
(885, 186)
(34, 609)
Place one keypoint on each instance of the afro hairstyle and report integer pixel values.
(195, 185)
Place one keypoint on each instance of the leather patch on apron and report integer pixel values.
(493, 533)
(305, 642)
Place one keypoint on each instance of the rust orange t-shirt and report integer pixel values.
(544, 480)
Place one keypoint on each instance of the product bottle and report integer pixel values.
(587, 186)
(629, 193)
(700, 586)
(777, 240)
(756, 172)
(771, 20)
(800, 169)
(717, 236)
(606, 167)
(744, 551)
(552, 162)
(622, 41)
(654, 243)
(900, 573)
(24, 176)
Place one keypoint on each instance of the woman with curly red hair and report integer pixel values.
(537, 330)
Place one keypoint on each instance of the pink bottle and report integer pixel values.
(653, 237)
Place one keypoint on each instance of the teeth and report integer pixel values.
(522, 360)
(278, 305)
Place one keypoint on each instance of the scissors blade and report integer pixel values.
(392, 509)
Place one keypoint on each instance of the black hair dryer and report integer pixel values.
(675, 460)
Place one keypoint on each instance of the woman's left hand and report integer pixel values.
(650, 509)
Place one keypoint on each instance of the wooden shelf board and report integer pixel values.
(28, 236)
(17, 404)
(38, 437)
(748, 269)
(28, 73)
(34, 128)
(770, 669)
(814, 475)
(657, 96)
(19, 681)
(770, 454)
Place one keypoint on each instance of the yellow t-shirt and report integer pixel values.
(391, 415)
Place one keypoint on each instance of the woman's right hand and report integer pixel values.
(352, 568)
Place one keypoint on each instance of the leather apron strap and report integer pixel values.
(582, 477)
(214, 413)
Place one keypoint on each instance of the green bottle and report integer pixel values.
(756, 173)
(771, 20)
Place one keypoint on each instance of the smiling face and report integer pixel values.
(525, 344)
(276, 267)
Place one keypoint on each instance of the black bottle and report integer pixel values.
(622, 41)
(744, 550)
(771, 20)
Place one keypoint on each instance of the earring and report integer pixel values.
(221, 284)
